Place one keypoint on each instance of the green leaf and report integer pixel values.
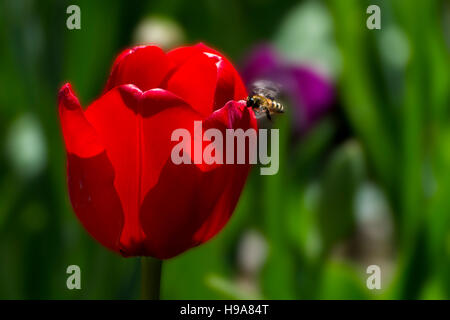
(341, 178)
(341, 281)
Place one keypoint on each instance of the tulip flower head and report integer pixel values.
(122, 185)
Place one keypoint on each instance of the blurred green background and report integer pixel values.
(369, 183)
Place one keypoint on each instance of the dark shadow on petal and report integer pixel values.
(174, 210)
(94, 198)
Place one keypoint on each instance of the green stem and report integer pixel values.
(151, 278)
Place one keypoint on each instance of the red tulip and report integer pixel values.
(123, 186)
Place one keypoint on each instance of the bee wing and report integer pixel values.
(266, 88)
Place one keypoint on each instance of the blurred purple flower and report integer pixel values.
(309, 93)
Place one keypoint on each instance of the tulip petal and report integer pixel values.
(180, 55)
(195, 82)
(114, 118)
(90, 174)
(94, 197)
(163, 113)
(232, 115)
(176, 207)
(225, 203)
(79, 136)
(229, 83)
(145, 67)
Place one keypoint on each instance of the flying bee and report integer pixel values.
(263, 97)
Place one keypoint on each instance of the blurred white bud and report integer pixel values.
(372, 209)
(394, 47)
(161, 31)
(306, 36)
(26, 147)
(374, 221)
(252, 252)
